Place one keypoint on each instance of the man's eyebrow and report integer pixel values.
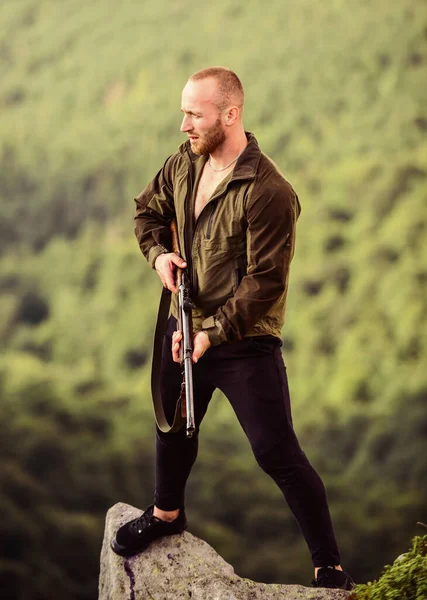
(190, 112)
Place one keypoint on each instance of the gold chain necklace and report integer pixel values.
(224, 168)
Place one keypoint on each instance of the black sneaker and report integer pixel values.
(329, 577)
(135, 536)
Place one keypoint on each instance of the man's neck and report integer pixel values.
(229, 150)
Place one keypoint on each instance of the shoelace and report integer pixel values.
(141, 523)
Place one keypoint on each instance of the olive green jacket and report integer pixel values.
(238, 252)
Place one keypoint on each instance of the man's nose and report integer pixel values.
(186, 124)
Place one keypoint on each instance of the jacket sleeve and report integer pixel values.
(271, 220)
(154, 212)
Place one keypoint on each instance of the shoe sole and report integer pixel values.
(123, 551)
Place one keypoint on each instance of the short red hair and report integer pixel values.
(230, 88)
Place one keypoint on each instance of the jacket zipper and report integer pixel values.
(237, 277)
(211, 216)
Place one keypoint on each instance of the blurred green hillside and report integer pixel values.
(89, 110)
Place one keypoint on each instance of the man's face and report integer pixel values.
(202, 118)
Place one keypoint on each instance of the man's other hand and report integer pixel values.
(201, 344)
(176, 343)
(165, 266)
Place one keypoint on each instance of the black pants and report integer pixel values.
(252, 374)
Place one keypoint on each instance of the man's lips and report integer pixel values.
(193, 138)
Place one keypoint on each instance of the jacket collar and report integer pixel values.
(246, 165)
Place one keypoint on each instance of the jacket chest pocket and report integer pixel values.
(224, 263)
(223, 229)
(218, 250)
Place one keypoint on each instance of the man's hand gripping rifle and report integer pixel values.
(185, 325)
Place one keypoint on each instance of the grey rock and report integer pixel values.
(183, 567)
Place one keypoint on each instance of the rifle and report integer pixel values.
(185, 325)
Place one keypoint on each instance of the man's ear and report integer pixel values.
(232, 115)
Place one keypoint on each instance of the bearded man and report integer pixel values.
(236, 217)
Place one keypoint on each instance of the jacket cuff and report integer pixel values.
(154, 252)
(214, 330)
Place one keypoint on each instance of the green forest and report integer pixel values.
(90, 98)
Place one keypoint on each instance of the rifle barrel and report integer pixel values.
(187, 351)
